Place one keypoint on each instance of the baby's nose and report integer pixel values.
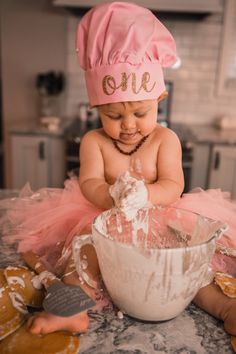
(128, 123)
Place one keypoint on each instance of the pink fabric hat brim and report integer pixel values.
(124, 82)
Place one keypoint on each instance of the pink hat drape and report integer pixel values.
(122, 47)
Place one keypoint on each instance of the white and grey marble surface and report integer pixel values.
(192, 332)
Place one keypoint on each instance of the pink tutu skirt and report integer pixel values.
(46, 221)
(216, 205)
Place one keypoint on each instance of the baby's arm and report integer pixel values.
(170, 179)
(91, 179)
(211, 299)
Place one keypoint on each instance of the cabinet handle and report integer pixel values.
(41, 150)
(217, 160)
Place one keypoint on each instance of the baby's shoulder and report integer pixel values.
(164, 134)
(93, 136)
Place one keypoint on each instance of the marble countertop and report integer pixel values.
(193, 331)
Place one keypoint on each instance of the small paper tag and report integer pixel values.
(66, 300)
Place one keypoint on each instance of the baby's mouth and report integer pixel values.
(128, 136)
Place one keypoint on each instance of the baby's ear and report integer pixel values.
(162, 96)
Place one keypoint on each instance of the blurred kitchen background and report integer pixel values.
(44, 107)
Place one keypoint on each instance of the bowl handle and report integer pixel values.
(81, 264)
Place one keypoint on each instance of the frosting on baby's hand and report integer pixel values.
(129, 195)
(121, 188)
(135, 200)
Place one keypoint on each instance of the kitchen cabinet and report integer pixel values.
(222, 172)
(37, 159)
(200, 165)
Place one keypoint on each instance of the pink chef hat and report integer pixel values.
(122, 47)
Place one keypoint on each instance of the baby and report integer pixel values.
(123, 63)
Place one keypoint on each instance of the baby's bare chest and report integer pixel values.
(141, 165)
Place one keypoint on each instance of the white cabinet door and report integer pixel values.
(38, 160)
(223, 169)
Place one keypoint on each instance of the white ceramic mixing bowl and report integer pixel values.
(153, 267)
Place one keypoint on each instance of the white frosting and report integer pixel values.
(12, 268)
(36, 282)
(15, 280)
(65, 253)
(37, 265)
(84, 264)
(67, 274)
(45, 276)
(129, 195)
(18, 302)
(1, 291)
(136, 166)
(120, 315)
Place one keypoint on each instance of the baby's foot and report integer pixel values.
(229, 317)
(44, 322)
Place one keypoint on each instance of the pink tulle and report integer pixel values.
(215, 204)
(46, 221)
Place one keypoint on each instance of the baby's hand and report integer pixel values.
(121, 188)
(136, 199)
(129, 195)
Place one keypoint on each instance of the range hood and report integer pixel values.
(168, 6)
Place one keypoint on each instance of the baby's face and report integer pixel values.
(128, 122)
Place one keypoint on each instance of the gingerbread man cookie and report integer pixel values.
(25, 282)
(227, 284)
(233, 343)
(12, 309)
(23, 341)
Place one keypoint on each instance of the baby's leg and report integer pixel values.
(215, 302)
(46, 322)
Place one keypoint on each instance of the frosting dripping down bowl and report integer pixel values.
(153, 265)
